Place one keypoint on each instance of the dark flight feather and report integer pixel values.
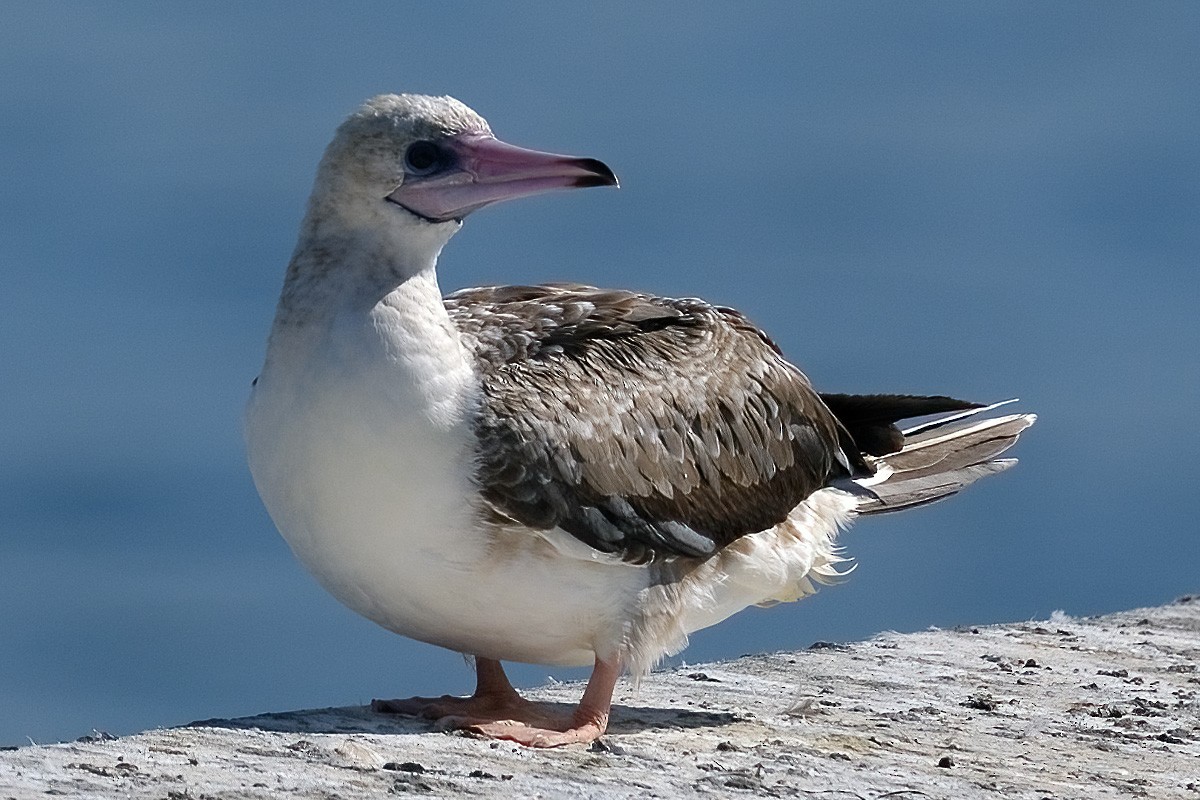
(870, 418)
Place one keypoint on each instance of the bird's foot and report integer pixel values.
(497, 711)
(460, 712)
(510, 718)
(513, 719)
(535, 736)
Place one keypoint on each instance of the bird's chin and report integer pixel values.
(457, 220)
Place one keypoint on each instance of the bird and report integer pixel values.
(556, 474)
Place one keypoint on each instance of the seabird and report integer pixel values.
(554, 474)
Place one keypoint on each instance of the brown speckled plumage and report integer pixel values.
(642, 425)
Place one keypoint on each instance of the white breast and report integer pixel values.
(359, 442)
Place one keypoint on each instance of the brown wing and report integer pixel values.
(642, 425)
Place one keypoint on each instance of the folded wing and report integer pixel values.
(645, 426)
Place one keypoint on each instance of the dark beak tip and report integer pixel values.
(588, 181)
(602, 174)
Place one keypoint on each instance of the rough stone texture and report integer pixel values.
(1065, 708)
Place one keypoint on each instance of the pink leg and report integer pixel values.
(496, 711)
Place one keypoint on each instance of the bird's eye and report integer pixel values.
(422, 158)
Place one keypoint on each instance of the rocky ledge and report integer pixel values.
(1062, 708)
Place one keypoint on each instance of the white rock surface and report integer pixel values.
(1065, 708)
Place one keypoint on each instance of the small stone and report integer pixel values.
(728, 747)
(411, 784)
(404, 766)
(746, 782)
(606, 746)
(1108, 710)
(980, 700)
(945, 762)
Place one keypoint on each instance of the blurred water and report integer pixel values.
(968, 198)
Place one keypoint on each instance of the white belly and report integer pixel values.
(369, 481)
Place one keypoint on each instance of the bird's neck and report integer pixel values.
(351, 255)
(370, 313)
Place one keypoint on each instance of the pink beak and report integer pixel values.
(484, 170)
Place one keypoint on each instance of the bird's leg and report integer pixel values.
(586, 724)
(496, 711)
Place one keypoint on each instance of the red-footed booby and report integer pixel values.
(552, 474)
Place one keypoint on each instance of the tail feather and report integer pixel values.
(939, 459)
(961, 446)
(941, 422)
(885, 498)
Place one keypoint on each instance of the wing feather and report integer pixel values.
(646, 426)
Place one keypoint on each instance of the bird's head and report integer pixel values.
(434, 160)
